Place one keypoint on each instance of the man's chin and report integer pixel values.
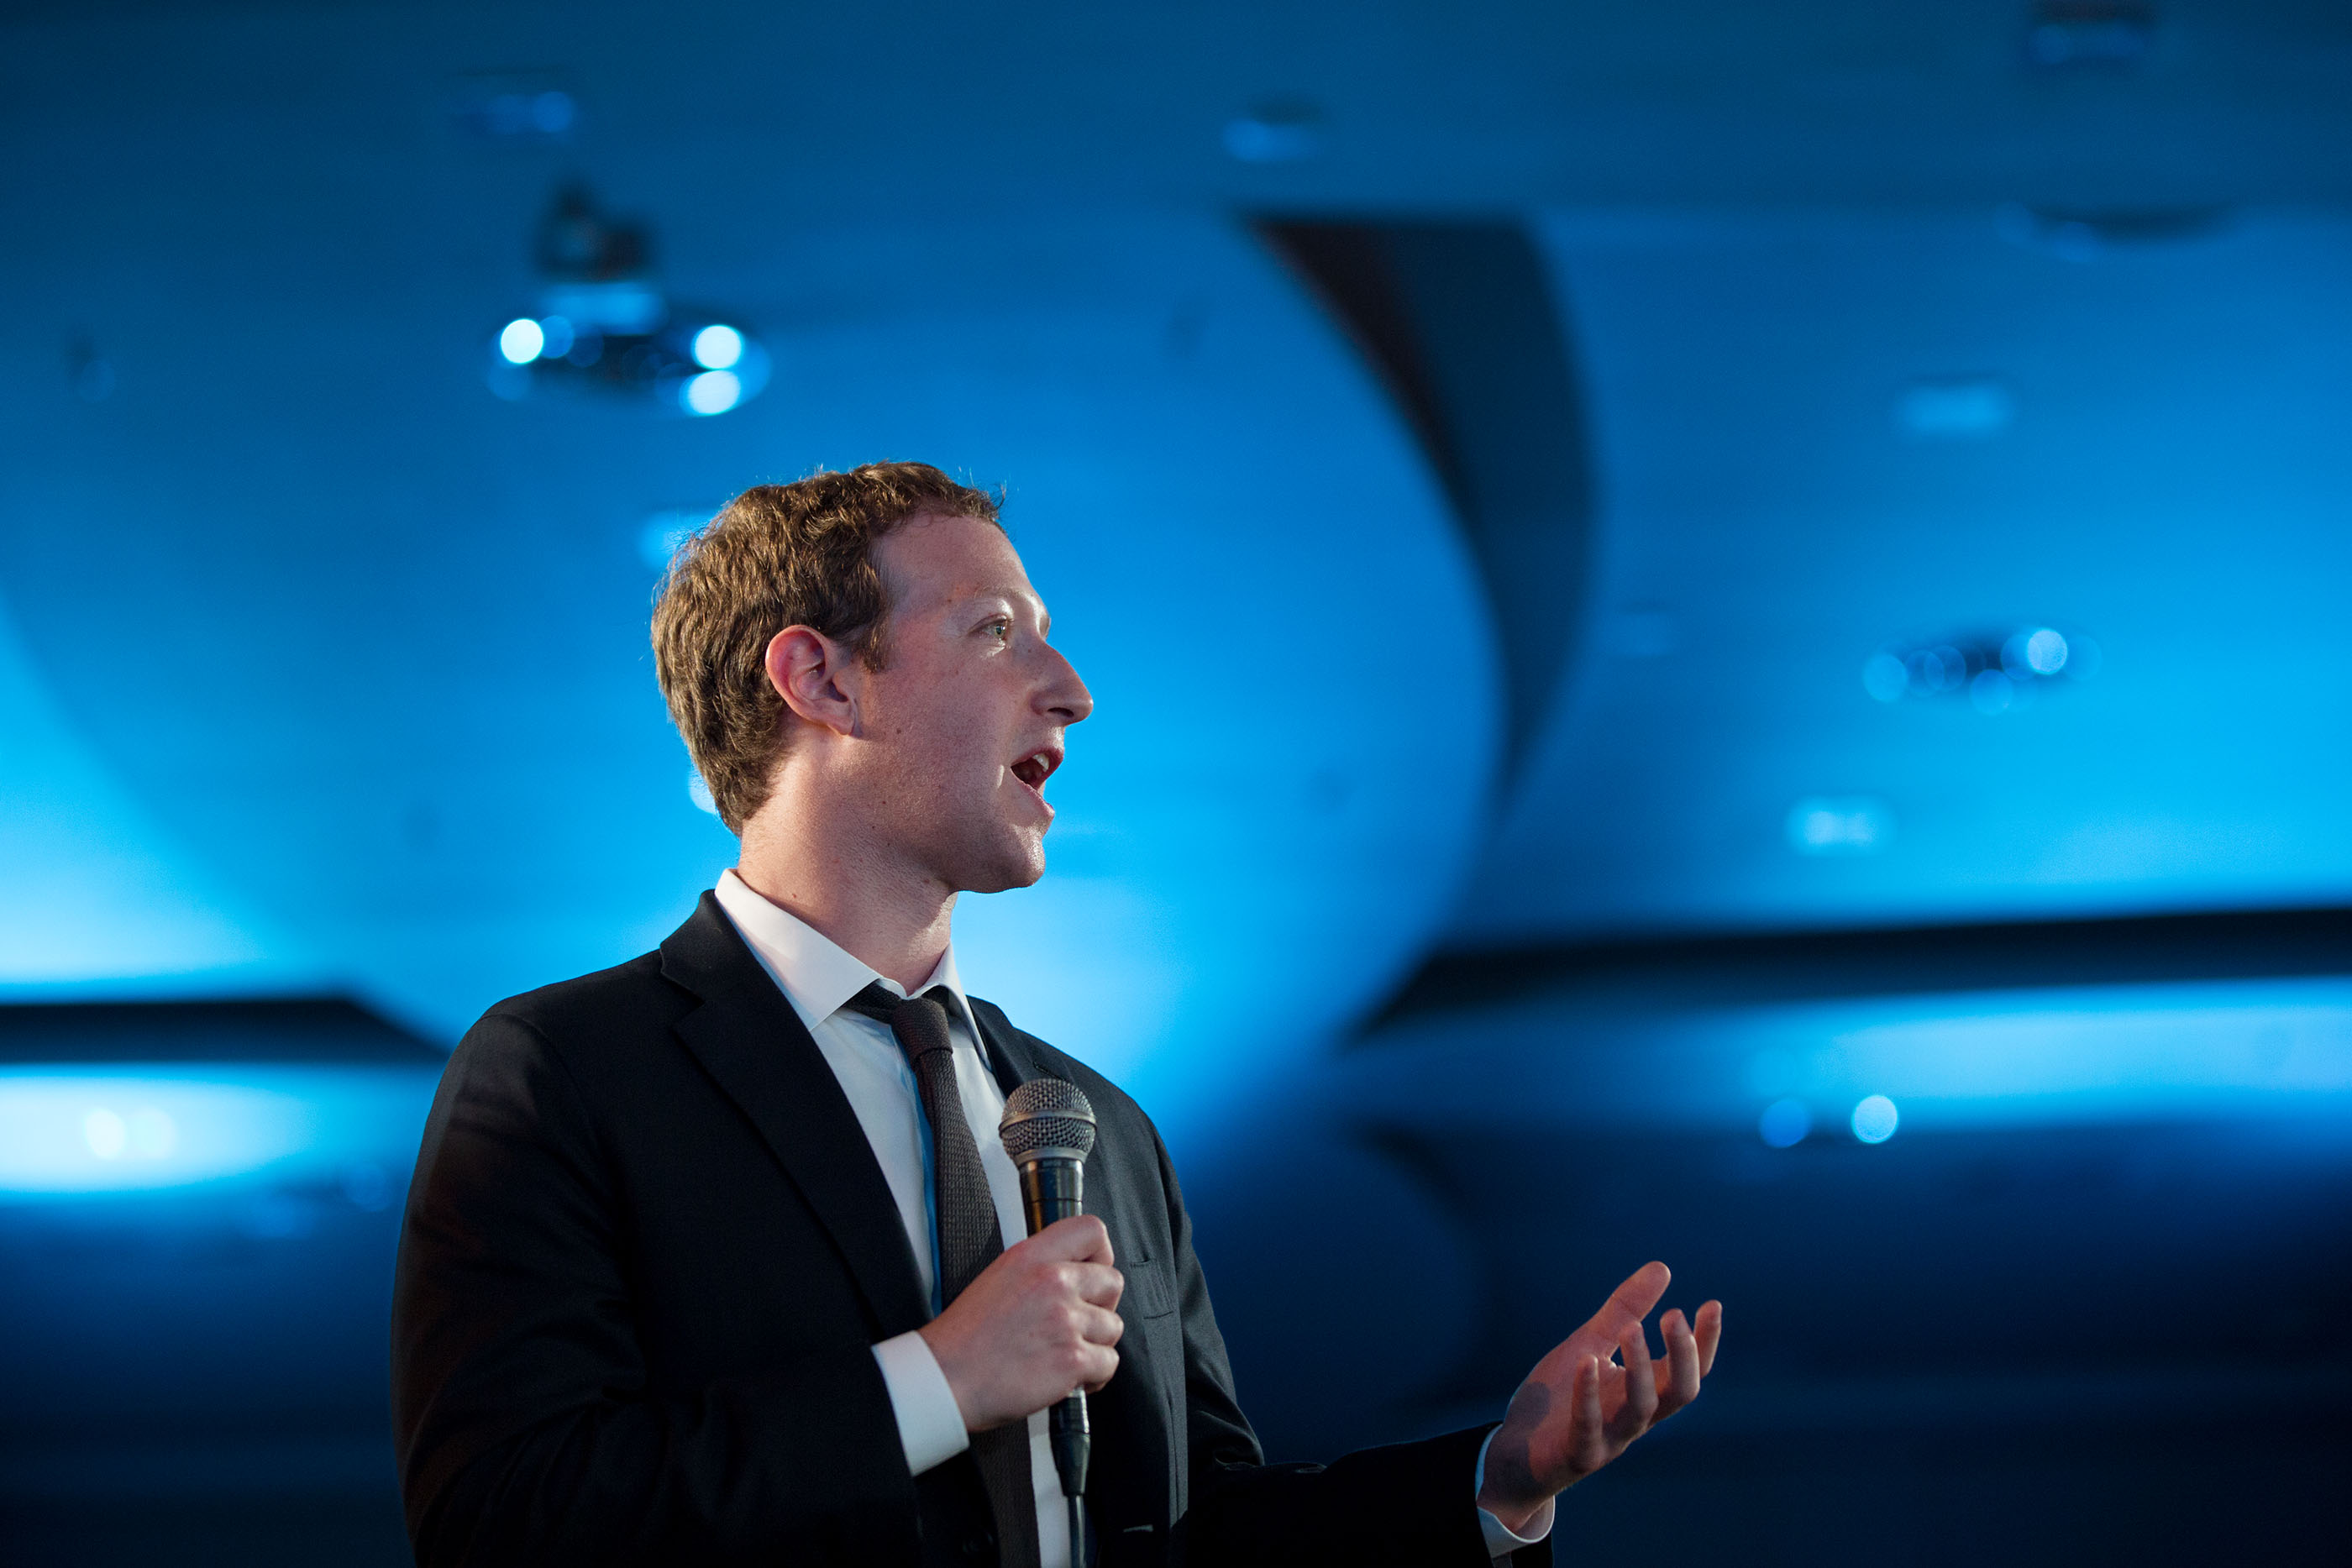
(1003, 874)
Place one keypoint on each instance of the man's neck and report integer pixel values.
(879, 914)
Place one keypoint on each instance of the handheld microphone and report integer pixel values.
(1049, 1130)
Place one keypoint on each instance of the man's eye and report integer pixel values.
(1000, 630)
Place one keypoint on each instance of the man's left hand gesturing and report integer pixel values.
(1581, 1407)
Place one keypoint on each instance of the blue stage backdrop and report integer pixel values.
(1718, 635)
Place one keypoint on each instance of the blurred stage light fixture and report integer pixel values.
(1280, 133)
(1874, 1119)
(1839, 825)
(515, 107)
(69, 1129)
(718, 347)
(2097, 34)
(1785, 1124)
(62, 1131)
(604, 327)
(1995, 673)
(522, 340)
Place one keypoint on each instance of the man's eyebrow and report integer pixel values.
(983, 598)
(1020, 599)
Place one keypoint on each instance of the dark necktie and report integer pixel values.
(970, 1239)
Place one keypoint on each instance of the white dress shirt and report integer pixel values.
(818, 976)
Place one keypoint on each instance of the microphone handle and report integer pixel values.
(1051, 1189)
(1054, 1189)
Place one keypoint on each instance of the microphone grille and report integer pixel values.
(1047, 1114)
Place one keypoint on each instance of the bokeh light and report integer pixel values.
(1785, 1124)
(521, 342)
(717, 347)
(1875, 1118)
(712, 391)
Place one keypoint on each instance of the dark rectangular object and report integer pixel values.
(308, 1028)
(2272, 943)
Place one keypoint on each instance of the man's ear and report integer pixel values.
(815, 676)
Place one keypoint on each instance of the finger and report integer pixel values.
(1710, 1333)
(1100, 1362)
(1679, 1378)
(1588, 1449)
(1631, 1302)
(1080, 1238)
(1613, 1383)
(1096, 1284)
(1641, 1406)
(1670, 1322)
(1099, 1327)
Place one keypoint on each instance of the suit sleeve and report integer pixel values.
(519, 1394)
(1412, 1505)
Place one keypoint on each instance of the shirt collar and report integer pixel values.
(816, 974)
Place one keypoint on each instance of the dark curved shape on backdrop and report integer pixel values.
(1459, 320)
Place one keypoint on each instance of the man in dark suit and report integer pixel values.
(714, 1257)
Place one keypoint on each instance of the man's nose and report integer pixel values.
(1063, 696)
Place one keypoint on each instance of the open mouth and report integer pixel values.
(1037, 766)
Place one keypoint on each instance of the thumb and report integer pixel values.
(1080, 1238)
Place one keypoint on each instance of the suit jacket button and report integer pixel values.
(980, 1545)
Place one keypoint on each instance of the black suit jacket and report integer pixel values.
(644, 1259)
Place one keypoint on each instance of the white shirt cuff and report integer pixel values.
(931, 1427)
(1501, 1539)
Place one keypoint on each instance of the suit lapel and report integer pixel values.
(754, 1046)
(1010, 1057)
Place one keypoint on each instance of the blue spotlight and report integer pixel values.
(2045, 651)
(1785, 1124)
(1823, 826)
(712, 391)
(68, 1129)
(521, 342)
(1874, 1119)
(101, 1132)
(717, 347)
(105, 1133)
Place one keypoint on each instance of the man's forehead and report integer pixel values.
(935, 559)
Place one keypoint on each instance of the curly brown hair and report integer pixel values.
(777, 556)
